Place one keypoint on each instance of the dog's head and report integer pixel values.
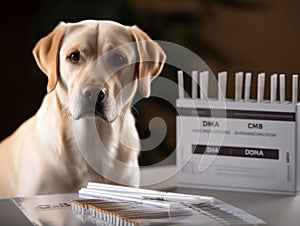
(97, 66)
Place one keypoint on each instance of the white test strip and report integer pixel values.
(180, 84)
(247, 86)
(194, 84)
(203, 78)
(273, 89)
(238, 85)
(295, 89)
(122, 189)
(97, 194)
(142, 196)
(282, 88)
(261, 87)
(222, 83)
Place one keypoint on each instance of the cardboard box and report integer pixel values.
(238, 146)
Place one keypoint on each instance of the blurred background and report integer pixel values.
(232, 35)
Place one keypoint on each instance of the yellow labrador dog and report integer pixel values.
(84, 130)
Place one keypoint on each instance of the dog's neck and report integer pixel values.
(59, 117)
(102, 145)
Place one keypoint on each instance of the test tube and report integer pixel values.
(180, 84)
(261, 87)
(194, 84)
(273, 89)
(238, 86)
(222, 83)
(282, 88)
(295, 89)
(203, 77)
(247, 86)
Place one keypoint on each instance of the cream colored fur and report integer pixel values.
(44, 155)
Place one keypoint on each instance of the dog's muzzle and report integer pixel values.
(92, 100)
(94, 94)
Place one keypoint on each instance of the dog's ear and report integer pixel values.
(46, 54)
(151, 59)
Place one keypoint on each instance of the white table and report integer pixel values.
(276, 210)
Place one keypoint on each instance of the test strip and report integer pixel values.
(247, 86)
(194, 84)
(203, 78)
(180, 84)
(273, 89)
(238, 85)
(261, 87)
(130, 190)
(282, 88)
(295, 89)
(222, 83)
(95, 194)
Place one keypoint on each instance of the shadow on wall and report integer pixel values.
(233, 35)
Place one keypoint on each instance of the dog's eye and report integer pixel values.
(74, 57)
(118, 59)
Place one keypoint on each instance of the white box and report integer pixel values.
(239, 146)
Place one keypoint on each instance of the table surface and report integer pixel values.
(276, 210)
(10, 215)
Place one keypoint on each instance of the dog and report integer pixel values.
(84, 130)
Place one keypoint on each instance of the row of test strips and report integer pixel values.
(106, 204)
(202, 79)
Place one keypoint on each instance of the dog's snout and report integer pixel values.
(94, 93)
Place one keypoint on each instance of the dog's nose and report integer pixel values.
(102, 95)
(94, 93)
